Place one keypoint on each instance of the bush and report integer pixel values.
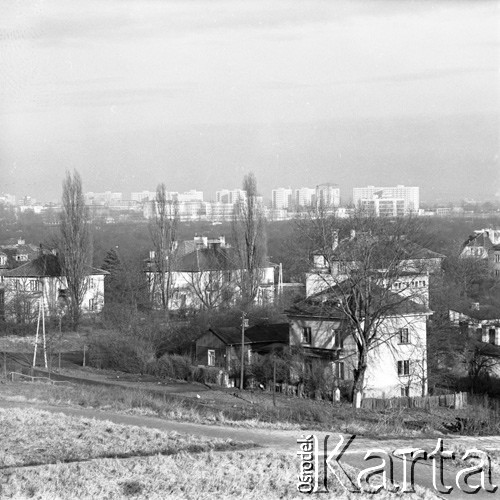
(205, 374)
(114, 352)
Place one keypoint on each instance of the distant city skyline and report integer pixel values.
(197, 94)
(226, 195)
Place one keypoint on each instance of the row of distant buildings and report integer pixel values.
(285, 203)
(381, 201)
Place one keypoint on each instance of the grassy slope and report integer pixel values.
(32, 437)
(190, 467)
(292, 413)
(249, 475)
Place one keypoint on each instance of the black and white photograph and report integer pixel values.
(250, 249)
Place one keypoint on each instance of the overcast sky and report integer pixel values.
(195, 93)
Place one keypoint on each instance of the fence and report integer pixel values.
(455, 400)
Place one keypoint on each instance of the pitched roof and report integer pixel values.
(404, 250)
(328, 303)
(277, 332)
(230, 335)
(208, 259)
(479, 239)
(45, 265)
(483, 312)
(487, 349)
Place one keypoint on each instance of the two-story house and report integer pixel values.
(41, 281)
(397, 359)
(207, 274)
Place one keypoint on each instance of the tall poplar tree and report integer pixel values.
(75, 244)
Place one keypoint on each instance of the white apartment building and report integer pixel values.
(328, 195)
(191, 195)
(143, 196)
(305, 197)
(397, 200)
(282, 198)
(105, 198)
(230, 195)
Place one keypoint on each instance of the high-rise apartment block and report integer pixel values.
(327, 195)
(230, 196)
(305, 197)
(387, 201)
(282, 198)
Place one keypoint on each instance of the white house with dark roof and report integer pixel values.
(23, 288)
(206, 274)
(397, 362)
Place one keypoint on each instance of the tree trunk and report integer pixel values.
(359, 374)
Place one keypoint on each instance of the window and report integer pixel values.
(339, 370)
(491, 336)
(404, 336)
(497, 257)
(92, 304)
(404, 367)
(306, 334)
(497, 273)
(92, 283)
(34, 285)
(338, 341)
(27, 308)
(211, 357)
(405, 392)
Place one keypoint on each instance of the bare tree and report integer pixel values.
(249, 235)
(374, 270)
(163, 231)
(75, 244)
(210, 281)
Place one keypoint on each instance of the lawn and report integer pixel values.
(34, 437)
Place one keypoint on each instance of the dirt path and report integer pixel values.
(286, 441)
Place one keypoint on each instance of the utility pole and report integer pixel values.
(274, 379)
(244, 323)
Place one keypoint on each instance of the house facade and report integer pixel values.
(397, 361)
(484, 245)
(207, 275)
(481, 322)
(41, 282)
(416, 267)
